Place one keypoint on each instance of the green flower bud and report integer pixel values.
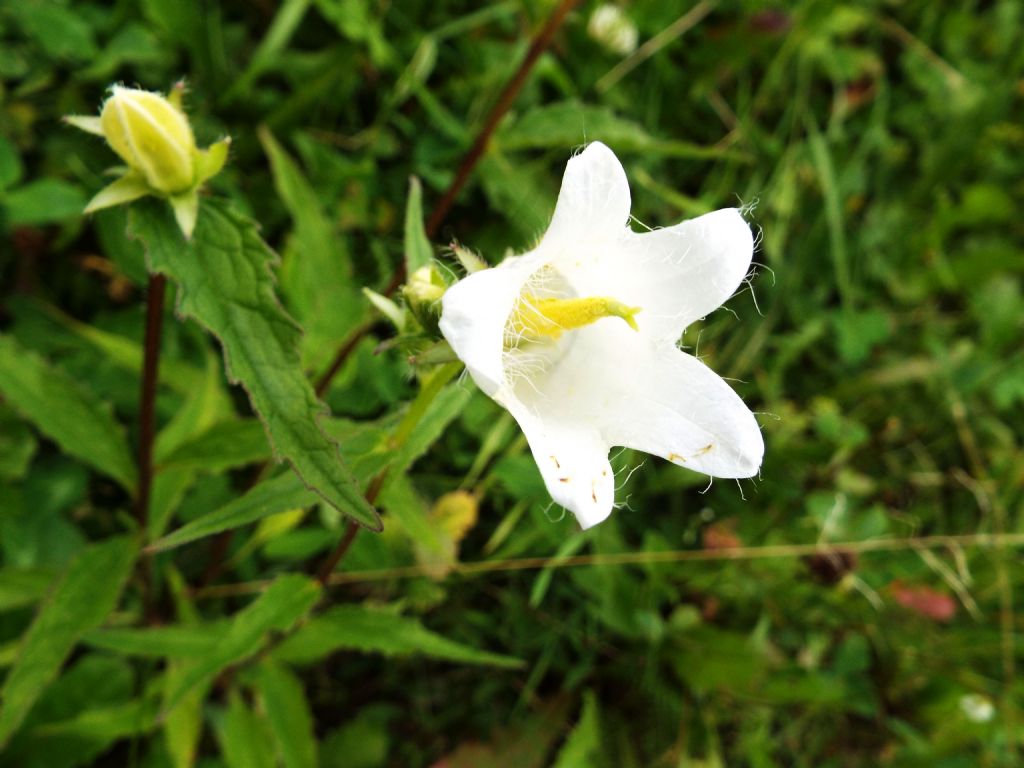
(152, 136)
(422, 294)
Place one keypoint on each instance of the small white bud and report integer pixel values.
(611, 27)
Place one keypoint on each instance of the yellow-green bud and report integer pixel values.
(422, 294)
(152, 136)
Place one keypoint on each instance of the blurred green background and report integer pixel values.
(878, 146)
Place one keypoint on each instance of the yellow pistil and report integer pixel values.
(539, 318)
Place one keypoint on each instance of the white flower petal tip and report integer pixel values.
(577, 339)
(593, 203)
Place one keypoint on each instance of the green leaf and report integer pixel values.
(64, 412)
(225, 283)
(418, 252)
(206, 406)
(316, 268)
(11, 167)
(183, 725)
(23, 586)
(103, 725)
(285, 601)
(290, 717)
(572, 124)
(44, 201)
(87, 592)
(516, 191)
(127, 353)
(359, 628)
(223, 446)
(270, 497)
(360, 443)
(17, 445)
(440, 412)
(60, 31)
(243, 736)
(174, 641)
(583, 746)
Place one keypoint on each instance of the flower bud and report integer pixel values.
(611, 27)
(422, 294)
(152, 136)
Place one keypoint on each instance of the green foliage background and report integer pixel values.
(879, 149)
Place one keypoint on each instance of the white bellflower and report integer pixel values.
(578, 339)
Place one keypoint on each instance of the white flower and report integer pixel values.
(578, 339)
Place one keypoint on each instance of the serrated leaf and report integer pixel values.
(316, 268)
(285, 601)
(243, 736)
(86, 593)
(360, 443)
(360, 628)
(418, 252)
(223, 446)
(270, 497)
(225, 283)
(289, 714)
(65, 412)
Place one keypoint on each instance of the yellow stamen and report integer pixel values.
(549, 318)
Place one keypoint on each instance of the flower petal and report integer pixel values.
(573, 460)
(675, 275)
(473, 316)
(655, 398)
(593, 204)
(681, 410)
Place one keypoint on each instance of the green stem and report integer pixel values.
(430, 389)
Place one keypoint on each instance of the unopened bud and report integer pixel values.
(611, 27)
(152, 136)
(422, 294)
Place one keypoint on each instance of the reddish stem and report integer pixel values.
(147, 399)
